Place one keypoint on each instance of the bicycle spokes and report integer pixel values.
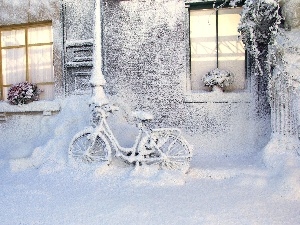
(87, 148)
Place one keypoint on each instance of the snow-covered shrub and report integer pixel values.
(259, 26)
(221, 78)
(23, 93)
(259, 21)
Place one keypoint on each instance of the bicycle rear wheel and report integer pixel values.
(87, 148)
(177, 153)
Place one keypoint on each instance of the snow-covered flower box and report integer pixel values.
(47, 108)
(218, 78)
(23, 93)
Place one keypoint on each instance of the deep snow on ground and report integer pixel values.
(220, 192)
(45, 189)
(215, 191)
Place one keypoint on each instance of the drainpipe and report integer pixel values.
(97, 79)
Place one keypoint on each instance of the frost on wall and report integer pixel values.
(15, 11)
(145, 60)
(284, 90)
(145, 67)
(144, 53)
(78, 19)
(78, 26)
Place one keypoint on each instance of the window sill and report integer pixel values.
(216, 97)
(46, 107)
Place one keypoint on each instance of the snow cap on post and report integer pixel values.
(97, 80)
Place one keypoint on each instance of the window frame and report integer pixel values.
(194, 5)
(24, 27)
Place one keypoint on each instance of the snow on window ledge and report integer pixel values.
(217, 97)
(46, 107)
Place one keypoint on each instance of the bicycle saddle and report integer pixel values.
(142, 115)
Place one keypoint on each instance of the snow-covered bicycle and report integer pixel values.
(163, 146)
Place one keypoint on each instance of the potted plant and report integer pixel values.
(218, 79)
(23, 93)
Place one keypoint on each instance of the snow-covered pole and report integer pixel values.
(97, 80)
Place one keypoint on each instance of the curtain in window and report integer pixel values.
(40, 58)
(41, 68)
(13, 67)
(203, 45)
(13, 58)
(40, 35)
(12, 38)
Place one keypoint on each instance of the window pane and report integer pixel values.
(47, 92)
(13, 65)
(40, 63)
(5, 93)
(12, 38)
(203, 45)
(231, 50)
(40, 35)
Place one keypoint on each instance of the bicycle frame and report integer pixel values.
(137, 153)
(120, 151)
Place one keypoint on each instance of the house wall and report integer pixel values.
(146, 67)
(145, 64)
(22, 129)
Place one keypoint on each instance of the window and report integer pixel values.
(27, 55)
(214, 44)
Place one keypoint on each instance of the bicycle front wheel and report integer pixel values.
(87, 148)
(177, 153)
